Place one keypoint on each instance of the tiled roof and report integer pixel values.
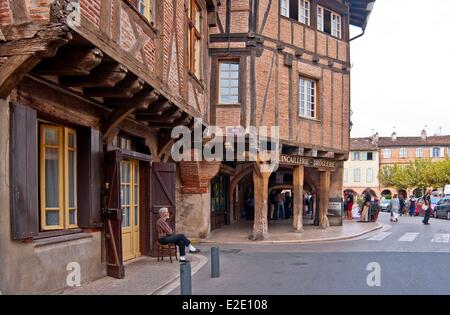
(360, 144)
(367, 144)
(414, 141)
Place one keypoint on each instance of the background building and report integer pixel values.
(388, 151)
(362, 168)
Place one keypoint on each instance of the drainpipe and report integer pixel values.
(358, 36)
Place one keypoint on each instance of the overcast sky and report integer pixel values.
(401, 69)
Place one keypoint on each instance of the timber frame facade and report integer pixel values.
(90, 91)
(291, 62)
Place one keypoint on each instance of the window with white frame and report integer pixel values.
(357, 175)
(387, 153)
(419, 152)
(229, 82)
(369, 175)
(307, 98)
(437, 152)
(370, 156)
(403, 153)
(304, 12)
(320, 18)
(329, 22)
(355, 156)
(284, 8)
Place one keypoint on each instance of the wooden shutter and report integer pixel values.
(113, 216)
(24, 184)
(90, 156)
(162, 189)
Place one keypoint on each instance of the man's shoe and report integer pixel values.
(184, 261)
(194, 251)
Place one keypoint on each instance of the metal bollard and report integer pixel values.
(185, 279)
(215, 262)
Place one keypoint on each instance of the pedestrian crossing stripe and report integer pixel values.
(408, 237)
(441, 238)
(411, 237)
(379, 237)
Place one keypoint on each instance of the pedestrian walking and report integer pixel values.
(412, 206)
(349, 208)
(402, 204)
(288, 205)
(280, 206)
(395, 208)
(366, 206)
(427, 206)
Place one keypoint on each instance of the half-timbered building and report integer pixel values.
(89, 93)
(286, 63)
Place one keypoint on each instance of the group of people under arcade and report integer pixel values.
(399, 206)
(281, 205)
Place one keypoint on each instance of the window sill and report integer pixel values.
(61, 239)
(310, 119)
(229, 105)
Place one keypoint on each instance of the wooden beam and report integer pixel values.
(105, 75)
(71, 61)
(169, 116)
(159, 107)
(125, 89)
(34, 40)
(13, 71)
(19, 11)
(120, 114)
(142, 99)
(184, 120)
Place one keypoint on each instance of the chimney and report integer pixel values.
(424, 135)
(394, 136)
(375, 138)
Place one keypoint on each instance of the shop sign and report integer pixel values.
(305, 161)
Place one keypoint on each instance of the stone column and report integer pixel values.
(324, 197)
(261, 194)
(299, 176)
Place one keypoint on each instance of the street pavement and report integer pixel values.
(402, 258)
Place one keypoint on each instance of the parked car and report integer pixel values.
(385, 205)
(434, 202)
(442, 210)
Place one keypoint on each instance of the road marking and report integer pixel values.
(408, 237)
(441, 238)
(379, 237)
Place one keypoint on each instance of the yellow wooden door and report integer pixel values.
(129, 193)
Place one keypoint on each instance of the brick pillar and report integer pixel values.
(299, 176)
(261, 194)
(325, 177)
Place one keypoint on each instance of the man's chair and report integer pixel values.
(166, 250)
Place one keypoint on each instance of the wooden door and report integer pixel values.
(162, 188)
(129, 192)
(113, 216)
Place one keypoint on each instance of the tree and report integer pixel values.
(417, 174)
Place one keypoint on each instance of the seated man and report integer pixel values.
(166, 236)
